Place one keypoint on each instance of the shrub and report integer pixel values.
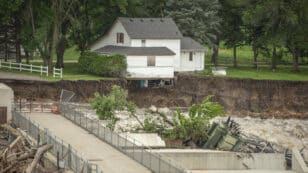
(104, 65)
(106, 105)
(85, 61)
(196, 125)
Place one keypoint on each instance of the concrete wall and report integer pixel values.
(197, 62)
(6, 99)
(137, 67)
(111, 37)
(298, 163)
(217, 160)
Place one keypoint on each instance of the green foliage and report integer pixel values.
(198, 19)
(151, 126)
(105, 65)
(196, 124)
(106, 105)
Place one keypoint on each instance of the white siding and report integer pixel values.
(111, 37)
(138, 69)
(196, 64)
(172, 44)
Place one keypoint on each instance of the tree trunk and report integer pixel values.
(255, 56)
(60, 52)
(214, 56)
(17, 39)
(6, 55)
(62, 44)
(295, 59)
(234, 57)
(27, 56)
(274, 59)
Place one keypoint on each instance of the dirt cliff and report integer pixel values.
(262, 98)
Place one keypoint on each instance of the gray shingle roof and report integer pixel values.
(134, 50)
(188, 43)
(147, 28)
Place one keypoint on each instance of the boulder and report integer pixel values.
(153, 108)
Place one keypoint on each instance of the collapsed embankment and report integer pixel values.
(265, 98)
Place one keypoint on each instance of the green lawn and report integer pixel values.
(264, 72)
(245, 56)
(70, 72)
(245, 69)
(71, 53)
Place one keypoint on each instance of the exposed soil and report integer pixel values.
(243, 97)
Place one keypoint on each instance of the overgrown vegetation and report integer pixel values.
(106, 105)
(104, 65)
(193, 127)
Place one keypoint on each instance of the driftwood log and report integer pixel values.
(21, 155)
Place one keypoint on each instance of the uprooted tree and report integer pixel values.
(194, 127)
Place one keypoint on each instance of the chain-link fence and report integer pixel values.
(130, 147)
(67, 155)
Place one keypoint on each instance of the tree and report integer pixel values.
(198, 19)
(10, 26)
(297, 30)
(273, 18)
(232, 32)
(106, 105)
(93, 19)
(196, 125)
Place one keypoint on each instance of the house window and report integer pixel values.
(143, 43)
(190, 56)
(120, 37)
(151, 60)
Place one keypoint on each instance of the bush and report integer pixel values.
(104, 65)
(196, 125)
(106, 105)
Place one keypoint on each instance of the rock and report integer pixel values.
(164, 111)
(153, 108)
(305, 154)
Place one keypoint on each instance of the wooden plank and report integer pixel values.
(3, 115)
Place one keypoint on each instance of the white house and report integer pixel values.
(154, 48)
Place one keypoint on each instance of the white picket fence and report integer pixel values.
(57, 72)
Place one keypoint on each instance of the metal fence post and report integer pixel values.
(62, 149)
(98, 129)
(159, 163)
(41, 70)
(31, 68)
(69, 156)
(19, 66)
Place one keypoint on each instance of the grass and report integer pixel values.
(263, 72)
(70, 72)
(71, 53)
(245, 69)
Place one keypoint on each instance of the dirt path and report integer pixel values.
(93, 149)
(9, 75)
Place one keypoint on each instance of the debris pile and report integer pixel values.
(17, 154)
(227, 135)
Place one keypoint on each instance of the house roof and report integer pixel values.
(188, 43)
(147, 28)
(157, 51)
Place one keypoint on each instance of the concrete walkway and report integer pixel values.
(241, 171)
(93, 149)
(18, 76)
